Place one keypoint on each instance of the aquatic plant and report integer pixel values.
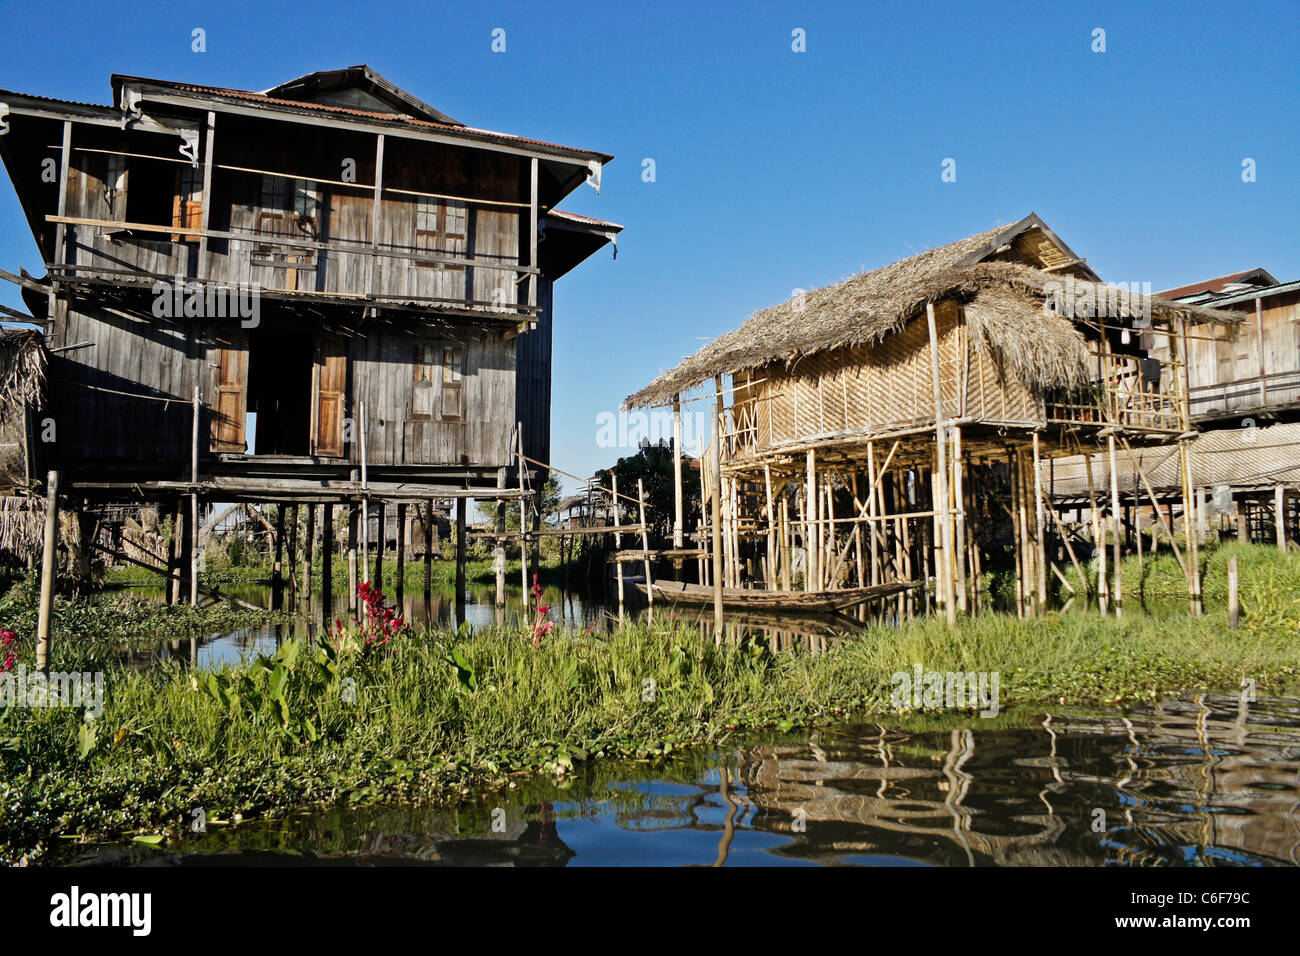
(378, 624)
(542, 624)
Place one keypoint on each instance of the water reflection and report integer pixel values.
(575, 610)
(1209, 780)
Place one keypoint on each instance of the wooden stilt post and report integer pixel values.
(1279, 516)
(769, 573)
(293, 555)
(1189, 532)
(1030, 533)
(49, 557)
(1243, 530)
(523, 519)
(327, 562)
(812, 542)
(462, 506)
(1040, 529)
(1234, 594)
(1117, 593)
(381, 541)
(678, 506)
(857, 533)
(941, 472)
(428, 550)
(194, 499)
(959, 500)
(1098, 542)
(618, 535)
(1202, 518)
(353, 520)
(277, 575)
(401, 554)
(645, 541)
(309, 554)
(716, 518)
(785, 543)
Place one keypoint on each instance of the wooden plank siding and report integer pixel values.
(132, 351)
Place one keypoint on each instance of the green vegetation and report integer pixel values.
(434, 715)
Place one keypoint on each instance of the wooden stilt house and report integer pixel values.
(326, 291)
(894, 427)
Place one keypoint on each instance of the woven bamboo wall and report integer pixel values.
(876, 388)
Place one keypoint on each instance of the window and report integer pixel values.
(151, 198)
(453, 367)
(187, 206)
(114, 183)
(271, 214)
(441, 226)
(433, 366)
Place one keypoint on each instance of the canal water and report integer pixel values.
(1198, 781)
(572, 609)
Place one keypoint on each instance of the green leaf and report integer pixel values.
(86, 734)
(151, 839)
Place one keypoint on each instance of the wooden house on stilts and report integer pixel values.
(895, 427)
(325, 293)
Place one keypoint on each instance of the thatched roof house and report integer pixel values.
(1007, 281)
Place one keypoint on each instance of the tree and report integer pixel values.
(653, 465)
(548, 503)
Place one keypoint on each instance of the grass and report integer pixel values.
(442, 713)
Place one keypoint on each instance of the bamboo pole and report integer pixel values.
(1040, 528)
(1118, 592)
(1279, 517)
(812, 543)
(618, 536)
(678, 507)
(769, 573)
(959, 499)
(1234, 596)
(941, 470)
(401, 553)
(49, 555)
(309, 553)
(194, 499)
(716, 509)
(523, 520)
(785, 543)
(1098, 545)
(353, 519)
(645, 541)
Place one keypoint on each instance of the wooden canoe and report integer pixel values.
(679, 592)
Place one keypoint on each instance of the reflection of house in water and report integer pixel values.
(1188, 783)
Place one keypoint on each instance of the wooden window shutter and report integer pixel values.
(331, 391)
(230, 403)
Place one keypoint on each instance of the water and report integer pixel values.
(574, 609)
(1209, 780)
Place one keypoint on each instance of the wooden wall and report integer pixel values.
(1225, 365)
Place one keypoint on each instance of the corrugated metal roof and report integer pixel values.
(1246, 457)
(1264, 293)
(262, 98)
(1212, 286)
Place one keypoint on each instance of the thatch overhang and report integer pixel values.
(1013, 310)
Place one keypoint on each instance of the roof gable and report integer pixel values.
(358, 87)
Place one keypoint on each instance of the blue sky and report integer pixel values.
(778, 170)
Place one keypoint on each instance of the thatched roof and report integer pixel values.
(22, 369)
(1008, 307)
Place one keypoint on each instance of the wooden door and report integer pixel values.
(230, 391)
(330, 376)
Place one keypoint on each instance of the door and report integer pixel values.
(230, 389)
(331, 382)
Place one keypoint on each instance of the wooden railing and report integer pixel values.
(1262, 391)
(1123, 394)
